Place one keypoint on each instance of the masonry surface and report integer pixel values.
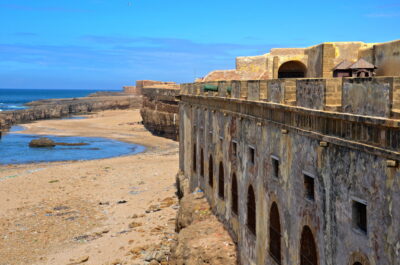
(300, 171)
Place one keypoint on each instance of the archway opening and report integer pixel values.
(275, 234)
(221, 181)
(292, 69)
(357, 263)
(211, 171)
(308, 250)
(235, 193)
(251, 210)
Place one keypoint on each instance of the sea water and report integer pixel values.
(14, 148)
(14, 99)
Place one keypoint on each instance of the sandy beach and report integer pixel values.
(108, 211)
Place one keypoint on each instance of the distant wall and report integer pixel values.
(387, 58)
(131, 90)
(253, 64)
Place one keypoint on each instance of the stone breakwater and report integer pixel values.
(160, 111)
(58, 108)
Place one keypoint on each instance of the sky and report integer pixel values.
(106, 44)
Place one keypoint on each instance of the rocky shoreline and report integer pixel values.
(58, 108)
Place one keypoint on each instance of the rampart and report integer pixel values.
(300, 171)
(160, 110)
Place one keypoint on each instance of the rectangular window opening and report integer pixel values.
(234, 148)
(309, 187)
(275, 166)
(360, 216)
(252, 155)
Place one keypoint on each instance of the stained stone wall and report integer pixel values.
(339, 151)
(368, 96)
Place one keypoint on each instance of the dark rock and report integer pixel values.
(42, 142)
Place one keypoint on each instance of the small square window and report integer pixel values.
(360, 216)
(252, 155)
(309, 187)
(275, 166)
(234, 148)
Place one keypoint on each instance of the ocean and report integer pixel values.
(14, 99)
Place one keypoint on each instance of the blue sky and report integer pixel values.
(105, 44)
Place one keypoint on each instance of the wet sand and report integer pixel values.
(107, 211)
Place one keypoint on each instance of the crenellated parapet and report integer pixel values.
(375, 96)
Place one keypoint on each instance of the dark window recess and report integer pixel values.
(251, 210)
(252, 155)
(275, 234)
(360, 216)
(235, 193)
(308, 250)
(275, 167)
(234, 148)
(221, 182)
(194, 158)
(357, 263)
(210, 171)
(202, 163)
(309, 187)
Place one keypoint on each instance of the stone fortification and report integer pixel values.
(317, 61)
(57, 108)
(160, 110)
(300, 171)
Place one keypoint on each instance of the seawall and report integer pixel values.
(57, 108)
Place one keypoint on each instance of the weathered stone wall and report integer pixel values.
(368, 96)
(310, 93)
(349, 157)
(160, 111)
(57, 108)
(387, 58)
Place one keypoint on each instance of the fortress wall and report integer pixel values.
(311, 93)
(253, 64)
(387, 58)
(160, 110)
(343, 171)
(315, 61)
(368, 96)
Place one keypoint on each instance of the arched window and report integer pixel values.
(275, 234)
(201, 163)
(357, 263)
(308, 250)
(235, 193)
(251, 210)
(211, 171)
(221, 181)
(194, 158)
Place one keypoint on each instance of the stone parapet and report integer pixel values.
(377, 96)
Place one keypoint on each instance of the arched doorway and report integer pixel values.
(221, 181)
(357, 263)
(251, 210)
(235, 193)
(308, 250)
(292, 69)
(211, 171)
(275, 234)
